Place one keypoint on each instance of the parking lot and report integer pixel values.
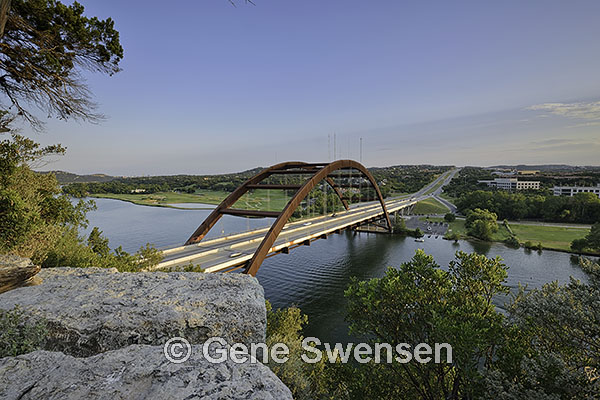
(427, 227)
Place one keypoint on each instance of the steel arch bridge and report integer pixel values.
(315, 174)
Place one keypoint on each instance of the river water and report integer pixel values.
(314, 277)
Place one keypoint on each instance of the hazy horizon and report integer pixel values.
(214, 88)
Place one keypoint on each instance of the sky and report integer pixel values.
(207, 87)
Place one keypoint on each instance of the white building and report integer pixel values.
(511, 184)
(573, 190)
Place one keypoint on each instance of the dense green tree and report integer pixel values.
(481, 224)
(305, 380)
(421, 303)
(593, 237)
(40, 222)
(33, 212)
(450, 217)
(579, 245)
(583, 207)
(43, 49)
(591, 241)
(556, 353)
(399, 224)
(546, 345)
(97, 242)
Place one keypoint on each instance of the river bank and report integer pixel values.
(166, 199)
(551, 236)
(315, 277)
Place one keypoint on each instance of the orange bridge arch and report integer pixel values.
(315, 172)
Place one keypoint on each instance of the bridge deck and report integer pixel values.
(236, 250)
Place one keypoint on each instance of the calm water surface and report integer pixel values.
(314, 277)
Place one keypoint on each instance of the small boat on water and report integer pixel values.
(419, 240)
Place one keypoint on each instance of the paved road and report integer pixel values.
(234, 250)
(436, 194)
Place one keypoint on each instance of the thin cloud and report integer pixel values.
(585, 124)
(563, 145)
(580, 110)
(550, 142)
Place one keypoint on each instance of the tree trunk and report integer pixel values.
(4, 10)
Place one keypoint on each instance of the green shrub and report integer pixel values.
(72, 251)
(285, 326)
(450, 217)
(579, 245)
(512, 241)
(18, 336)
(530, 245)
(481, 224)
(452, 236)
(399, 225)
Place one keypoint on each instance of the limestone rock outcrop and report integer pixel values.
(16, 271)
(134, 372)
(93, 310)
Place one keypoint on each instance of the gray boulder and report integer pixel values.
(134, 372)
(93, 310)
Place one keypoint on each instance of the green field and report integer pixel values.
(163, 199)
(430, 206)
(271, 200)
(551, 237)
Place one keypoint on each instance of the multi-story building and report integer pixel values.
(573, 190)
(511, 184)
(529, 172)
(527, 185)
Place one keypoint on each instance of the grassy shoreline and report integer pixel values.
(556, 238)
(161, 199)
(551, 237)
(272, 201)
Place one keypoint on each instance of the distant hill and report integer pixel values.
(546, 167)
(68, 177)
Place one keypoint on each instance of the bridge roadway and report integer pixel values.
(233, 251)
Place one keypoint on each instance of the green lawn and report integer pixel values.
(271, 200)
(501, 234)
(451, 199)
(458, 226)
(430, 206)
(165, 198)
(551, 237)
(432, 219)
